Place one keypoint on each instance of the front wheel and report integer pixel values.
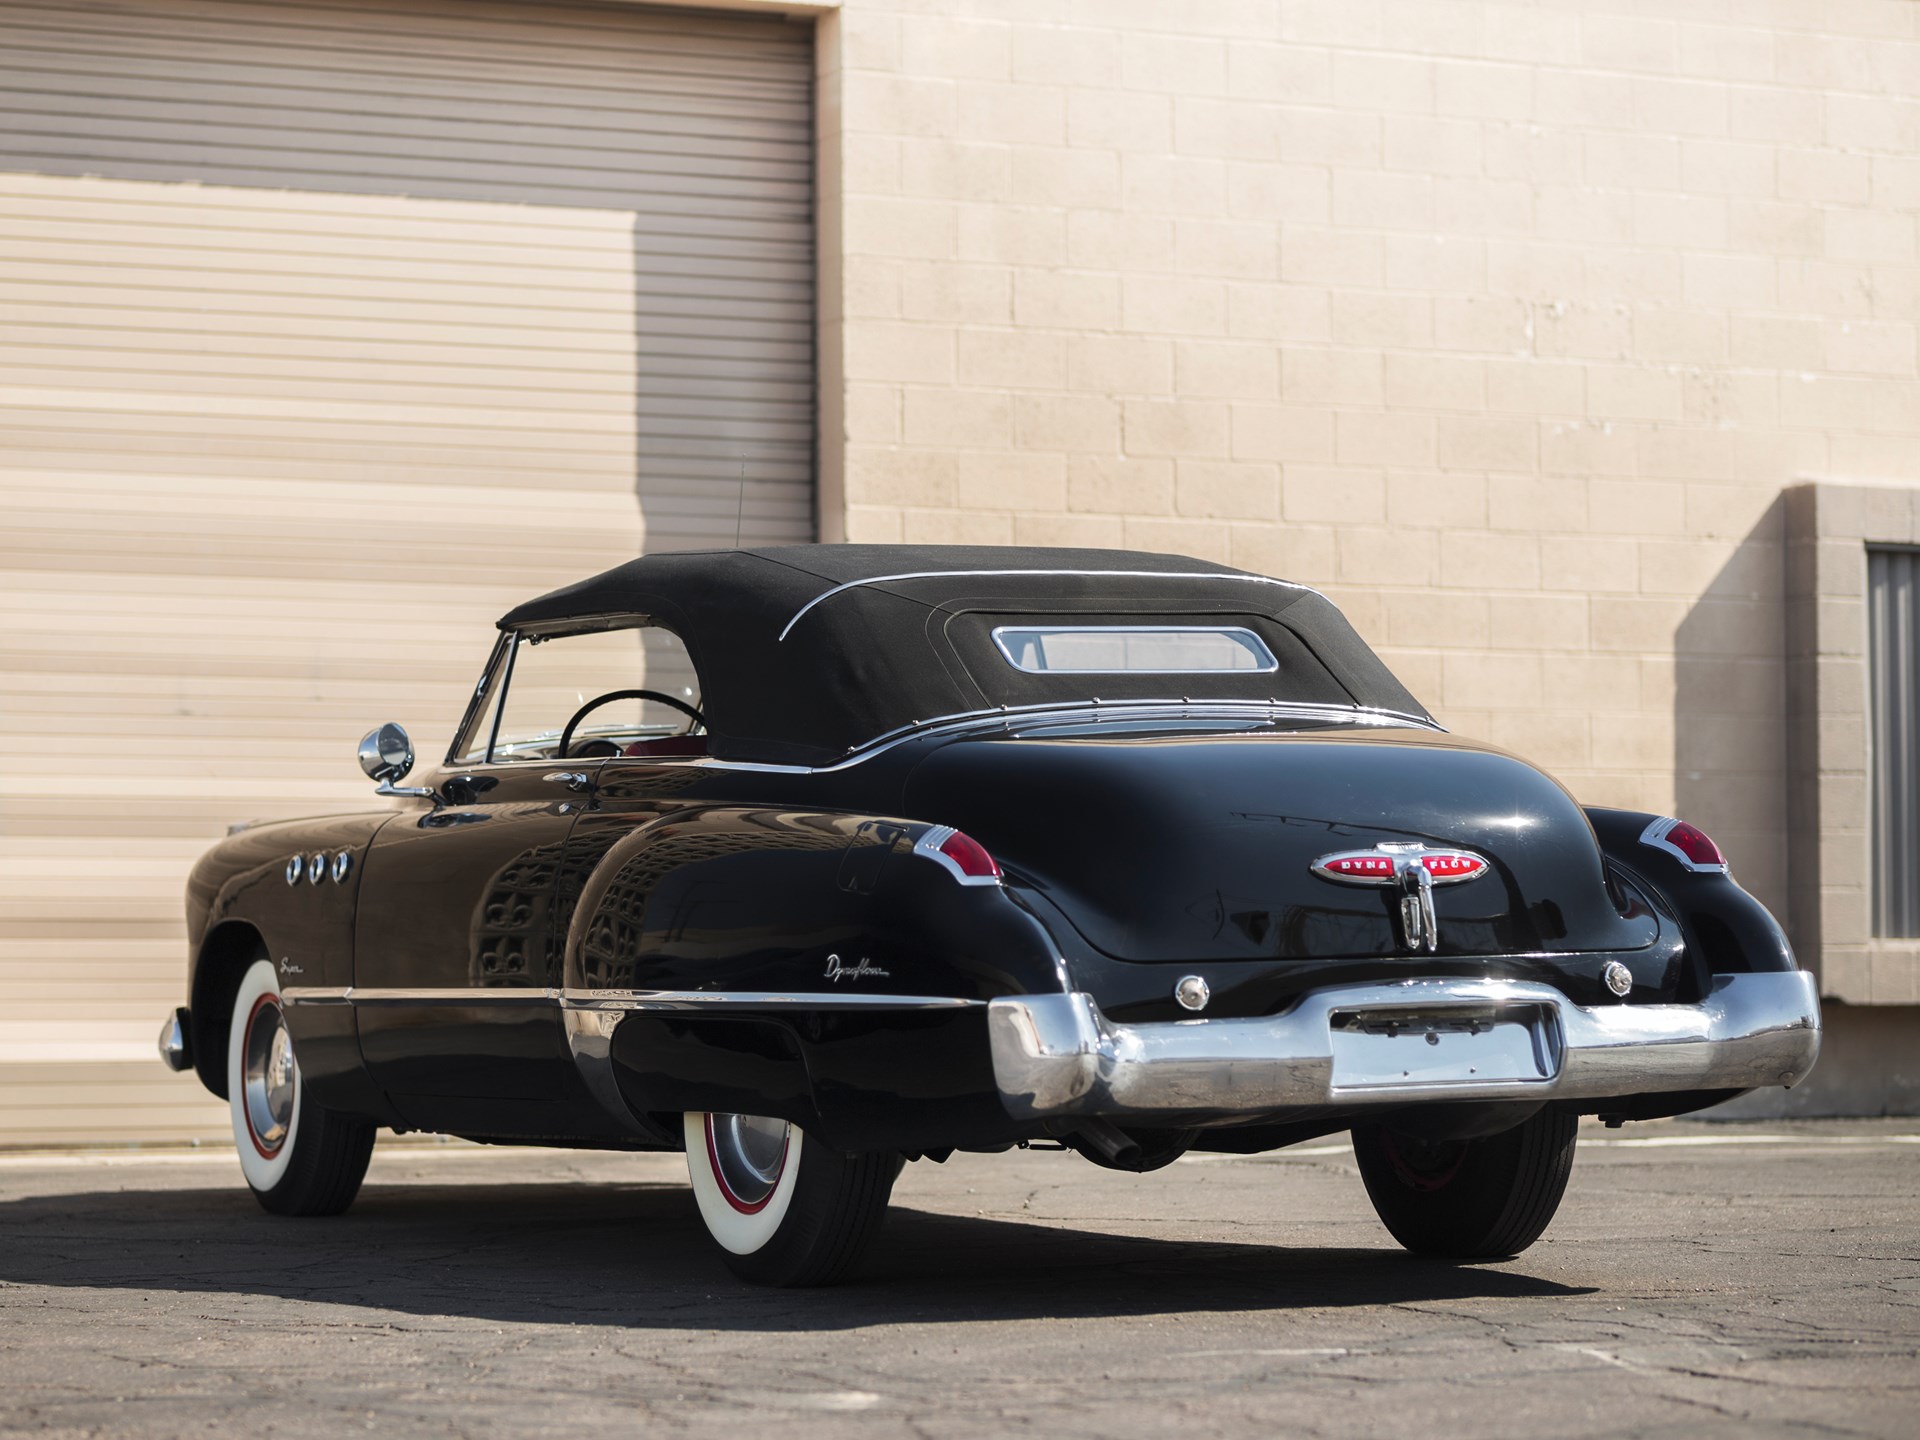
(783, 1208)
(1479, 1199)
(299, 1158)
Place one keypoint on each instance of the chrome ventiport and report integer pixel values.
(342, 866)
(1618, 978)
(1192, 993)
(296, 868)
(316, 867)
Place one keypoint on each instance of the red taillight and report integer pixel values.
(1695, 845)
(1688, 844)
(961, 856)
(971, 856)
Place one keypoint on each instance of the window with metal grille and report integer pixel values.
(1893, 663)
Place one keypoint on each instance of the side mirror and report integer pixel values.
(386, 755)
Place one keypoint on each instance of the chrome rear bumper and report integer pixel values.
(1406, 1041)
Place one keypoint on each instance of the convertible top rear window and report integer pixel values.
(1138, 649)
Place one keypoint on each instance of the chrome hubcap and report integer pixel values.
(749, 1155)
(271, 1076)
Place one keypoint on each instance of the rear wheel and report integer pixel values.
(783, 1208)
(1475, 1199)
(299, 1158)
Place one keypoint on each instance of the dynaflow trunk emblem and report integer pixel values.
(1413, 870)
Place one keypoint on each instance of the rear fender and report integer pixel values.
(733, 899)
(801, 963)
(1727, 930)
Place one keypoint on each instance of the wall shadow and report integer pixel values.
(637, 1256)
(1730, 711)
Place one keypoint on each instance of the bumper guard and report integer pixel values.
(176, 1046)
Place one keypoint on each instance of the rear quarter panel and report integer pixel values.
(802, 925)
(1728, 931)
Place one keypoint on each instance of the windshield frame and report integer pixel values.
(488, 703)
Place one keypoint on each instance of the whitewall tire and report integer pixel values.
(299, 1158)
(783, 1208)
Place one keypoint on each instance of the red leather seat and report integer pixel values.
(667, 747)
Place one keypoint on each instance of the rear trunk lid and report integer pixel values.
(1184, 846)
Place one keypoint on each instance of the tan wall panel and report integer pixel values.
(1505, 324)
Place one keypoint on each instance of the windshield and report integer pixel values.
(542, 685)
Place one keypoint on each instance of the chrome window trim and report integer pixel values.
(1001, 717)
(1167, 708)
(591, 625)
(500, 701)
(1272, 667)
(826, 595)
(471, 715)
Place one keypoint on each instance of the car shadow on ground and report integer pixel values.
(636, 1255)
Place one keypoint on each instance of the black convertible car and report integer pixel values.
(812, 861)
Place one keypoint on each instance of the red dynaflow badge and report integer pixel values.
(1381, 865)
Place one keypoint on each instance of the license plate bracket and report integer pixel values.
(1442, 1048)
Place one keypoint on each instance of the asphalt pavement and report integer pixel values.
(1701, 1279)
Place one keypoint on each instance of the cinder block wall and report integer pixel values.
(1504, 323)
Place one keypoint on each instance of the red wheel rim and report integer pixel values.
(1426, 1181)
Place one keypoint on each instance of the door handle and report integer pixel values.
(572, 779)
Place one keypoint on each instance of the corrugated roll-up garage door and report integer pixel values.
(327, 332)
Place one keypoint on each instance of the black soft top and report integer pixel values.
(808, 652)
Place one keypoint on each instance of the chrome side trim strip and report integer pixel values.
(452, 995)
(620, 1000)
(605, 1000)
(1080, 574)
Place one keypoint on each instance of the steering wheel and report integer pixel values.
(566, 735)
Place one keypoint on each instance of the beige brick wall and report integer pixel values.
(1504, 323)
